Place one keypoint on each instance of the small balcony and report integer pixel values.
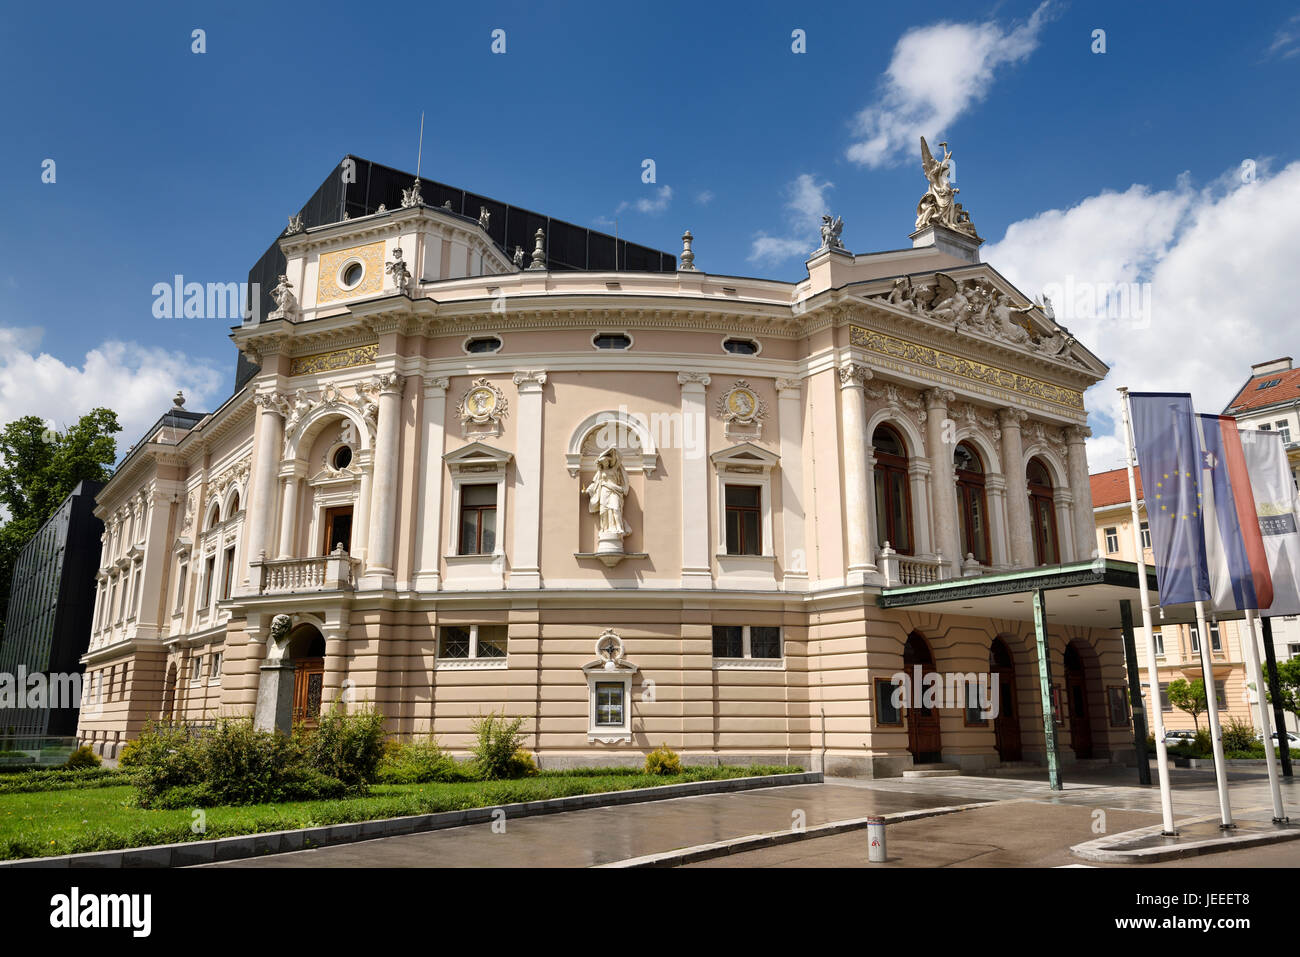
(899, 569)
(289, 576)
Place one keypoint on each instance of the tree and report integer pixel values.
(38, 468)
(1188, 697)
(1288, 684)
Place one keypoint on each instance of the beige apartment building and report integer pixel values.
(636, 506)
(1178, 650)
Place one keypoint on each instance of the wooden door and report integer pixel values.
(338, 528)
(1080, 726)
(308, 685)
(924, 739)
(1006, 726)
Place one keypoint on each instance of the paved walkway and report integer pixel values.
(1026, 825)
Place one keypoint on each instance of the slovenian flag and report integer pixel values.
(1234, 548)
(1277, 511)
(1169, 453)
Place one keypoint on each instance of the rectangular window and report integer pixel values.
(196, 669)
(1164, 697)
(478, 519)
(136, 571)
(1293, 650)
(1146, 535)
(214, 669)
(1216, 643)
(1220, 696)
(886, 712)
(744, 517)
(609, 703)
(209, 573)
(228, 574)
(764, 642)
(728, 641)
(1196, 639)
(181, 576)
(1112, 541)
(469, 642)
(1158, 639)
(1284, 428)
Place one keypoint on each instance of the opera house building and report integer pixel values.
(478, 459)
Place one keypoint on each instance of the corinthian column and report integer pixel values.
(383, 512)
(1013, 468)
(1081, 487)
(261, 511)
(857, 475)
(940, 435)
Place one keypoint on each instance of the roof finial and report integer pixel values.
(178, 399)
(539, 257)
(688, 255)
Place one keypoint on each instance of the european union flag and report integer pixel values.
(1169, 452)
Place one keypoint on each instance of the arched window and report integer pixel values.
(214, 516)
(1042, 513)
(234, 505)
(893, 495)
(972, 506)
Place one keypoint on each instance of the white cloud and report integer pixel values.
(136, 382)
(936, 73)
(1286, 42)
(704, 197)
(805, 203)
(1220, 266)
(651, 205)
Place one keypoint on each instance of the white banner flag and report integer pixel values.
(1278, 509)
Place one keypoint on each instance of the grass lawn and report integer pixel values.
(72, 820)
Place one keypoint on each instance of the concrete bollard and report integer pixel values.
(876, 840)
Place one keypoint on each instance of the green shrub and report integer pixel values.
(237, 764)
(1202, 744)
(663, 760)
(419, 762)
(129, 756)
(83, 757)
(1238, 736)
(498, 743)
(522, 765)
(346, 746)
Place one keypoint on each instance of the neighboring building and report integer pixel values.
(1270, 400)
(1178, 653)
(47, 626)
(640, 505)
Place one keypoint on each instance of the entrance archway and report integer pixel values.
(307, 652)
(1076, 693)
(923, 736)
(1006, 724)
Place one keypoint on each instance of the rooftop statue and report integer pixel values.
(939, 206)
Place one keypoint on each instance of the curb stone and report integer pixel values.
(751, 842)
(1100, 849)
(188, 853)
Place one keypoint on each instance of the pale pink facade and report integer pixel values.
(436, 629)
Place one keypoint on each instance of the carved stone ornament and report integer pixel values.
(609, 648)
(606, 496)
(518, 257)
(830, 230)
(484, 217)
(977, 307)
(400, 273)
(482, 409)
(295, 225)
(939, 206)
(411, 197)
(898, 399)
(280, 626)
(741, 410)
(852, 374)
(539, 255)
(286, 303)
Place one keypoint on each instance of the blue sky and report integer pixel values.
(1119, 166)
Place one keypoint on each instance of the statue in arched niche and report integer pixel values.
(606, 495)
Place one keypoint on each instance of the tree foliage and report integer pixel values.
(1189, 697)
(39, 466)
(1288, 682)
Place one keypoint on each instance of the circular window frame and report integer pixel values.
(464, 345)
(758, 346)
(343, 268)
(631, 341)
(333, 452)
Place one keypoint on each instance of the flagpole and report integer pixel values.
(1257, 674)
(1153, 668)
(1212, 708)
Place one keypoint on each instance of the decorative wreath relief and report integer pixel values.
(482, 409)
(742, 411)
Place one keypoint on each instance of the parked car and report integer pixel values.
(1292, 739)
(1179, 737)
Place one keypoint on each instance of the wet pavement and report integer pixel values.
(1026, 824)
(603, 835)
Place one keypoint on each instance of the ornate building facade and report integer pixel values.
(633, 507)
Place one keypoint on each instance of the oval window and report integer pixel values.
(483, 344)
(741, 347)
(352, 274)
(342, 457)
(612, 340)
